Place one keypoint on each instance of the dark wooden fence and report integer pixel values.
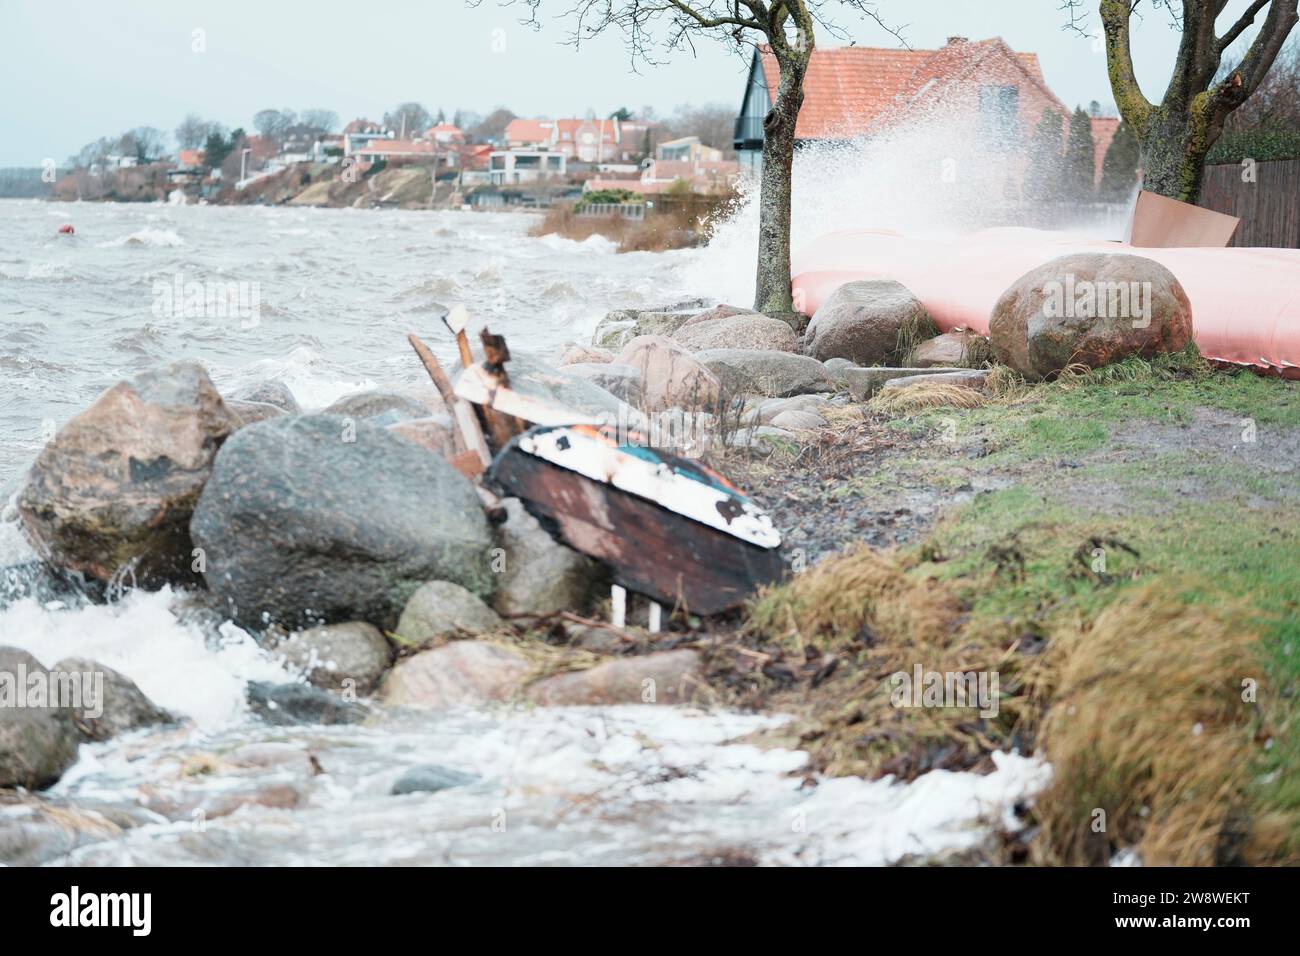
(1269, 207)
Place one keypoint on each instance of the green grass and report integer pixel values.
(1013, 555)
(1078, 413)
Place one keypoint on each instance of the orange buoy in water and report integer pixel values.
(67, 230)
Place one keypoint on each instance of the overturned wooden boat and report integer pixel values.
(667, 527)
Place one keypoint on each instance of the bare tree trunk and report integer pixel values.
(1177, 134)
(1175, 144)
(772, 290)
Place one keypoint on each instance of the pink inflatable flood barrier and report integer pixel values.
(1245, 302)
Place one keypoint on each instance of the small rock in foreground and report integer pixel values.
(333, 654)
(430, 778)
(289, 704)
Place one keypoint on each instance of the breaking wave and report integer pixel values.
(156, 238)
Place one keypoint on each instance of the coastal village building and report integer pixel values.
(984, 97)
(688, 149)
(445, 134)
(360, 132)
(584, 140)
(667, 175)
(377, 150)
(509, 167)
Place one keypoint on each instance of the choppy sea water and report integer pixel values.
(337, 292)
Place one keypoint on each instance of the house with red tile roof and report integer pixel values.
(663, 175)
(588, 141)
(986, 96)
(585, 140)
(397, 149)
(361, 126)
(445, 134)
(530, 134)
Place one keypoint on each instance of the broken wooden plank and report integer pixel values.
(476, 385)
(468, 424)
(468, 463)
(443, 384)
(456, 320)
(431, 365)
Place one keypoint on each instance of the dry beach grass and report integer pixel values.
(1110, 546)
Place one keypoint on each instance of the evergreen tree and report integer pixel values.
(1119, 168)
(217, 147)
(1080, 160)
(1043, 173)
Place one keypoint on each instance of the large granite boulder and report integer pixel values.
(382, 408)
(112, 494)
(459, 674)
(868, 321)
(742, 331)
(436, 433)
(38, 739)
(723, 311)
(122, 707)
(538, 574)
(671, 377)
(248, 413)
(667, 677)
(320, 519)
(575, 354)
(1090, 309)
(621, 381)
(764, 372)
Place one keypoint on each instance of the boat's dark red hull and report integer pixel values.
(649, 548)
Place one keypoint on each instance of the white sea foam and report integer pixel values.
(157, 238)
(314, 382)
(140, 637)
(575, 785)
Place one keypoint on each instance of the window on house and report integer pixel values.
(999, 118)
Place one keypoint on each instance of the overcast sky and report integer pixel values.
(76, 70)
